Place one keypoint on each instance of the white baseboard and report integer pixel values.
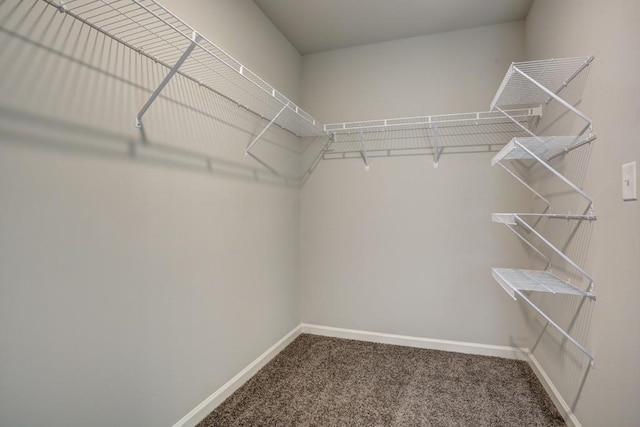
(408, 341)
(552, 391)
(198, 413)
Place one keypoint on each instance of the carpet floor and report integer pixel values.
(320, 381)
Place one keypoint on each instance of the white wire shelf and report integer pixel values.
(518, 89)
(512, 218)
(442, 121)
(513, 280)
(428, 135)
(153, 31)
(545, 147)
(517, 283)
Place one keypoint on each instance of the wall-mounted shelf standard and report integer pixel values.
(148, 28)
(537, 83)
(429, 135)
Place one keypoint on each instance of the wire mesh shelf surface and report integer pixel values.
(544, 147)
(512, 279)
(152, 30)
(467, 132)
(517, 87)
(431, 122)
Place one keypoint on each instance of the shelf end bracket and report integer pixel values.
(195, 39)
(262, 132)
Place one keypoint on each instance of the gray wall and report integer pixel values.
(610, 248)
(136, 277)
(405, 248)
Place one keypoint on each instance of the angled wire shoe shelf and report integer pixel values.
(531, 84)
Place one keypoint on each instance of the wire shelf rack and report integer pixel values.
(512, 218)
(429, 122)
(537, 83)
(512, 279)
(466, 132)
(150, 29)
(545, 147)
(517, 283)
(525, 82)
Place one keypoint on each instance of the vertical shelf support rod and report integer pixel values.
(250, 146)
(195, 38)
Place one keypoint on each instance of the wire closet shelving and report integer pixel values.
(538, 83)
(508, 128)
(428, 135)
(150, 29)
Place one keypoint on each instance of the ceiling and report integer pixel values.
(318, 25)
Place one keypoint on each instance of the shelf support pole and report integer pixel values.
(257, 138)
(364, 151)
(195, 39)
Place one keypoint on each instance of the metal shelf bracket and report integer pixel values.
(364, 151)
(437, 150)
(195, 39)
(262, 132)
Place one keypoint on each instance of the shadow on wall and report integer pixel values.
(66, 85)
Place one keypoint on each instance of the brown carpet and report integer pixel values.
(320, 381)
